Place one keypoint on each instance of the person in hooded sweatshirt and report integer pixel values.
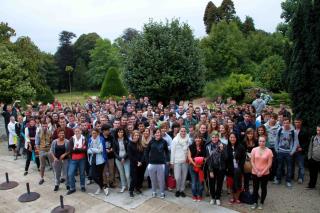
(259, 104)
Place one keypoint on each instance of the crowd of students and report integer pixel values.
(140, 142)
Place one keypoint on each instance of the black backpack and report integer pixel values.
(246, 197)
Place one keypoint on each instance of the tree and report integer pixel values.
(164, 62)
(248, 25)
(69, 70)
(225, 50)
(49, 70)
(103, 56)
(211, 16)
(129, 34)
(14, 79)
(304, 64)
(80, 76)
(112, 84)
(64, 57)
(84, 44)
(6, 33)
(227, 11)
(270, 72)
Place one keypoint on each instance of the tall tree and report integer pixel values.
(248, 25)
(6, 32)
(84, 44)
(211, 16)
(227, 10)
(64, 57)
(49, 70)
(80, 76)
(164, 62)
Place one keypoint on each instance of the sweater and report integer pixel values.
(157, 152)
(179, 149)
(286, 142)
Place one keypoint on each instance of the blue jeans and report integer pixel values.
(196, 186)
(73, 166)
(284, 158)
(300, 159)
(124, 172)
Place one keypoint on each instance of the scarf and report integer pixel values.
(198, 169)
(78, 143)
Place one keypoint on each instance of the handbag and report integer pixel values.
(246, 197)
(247, 164)
(171, 182)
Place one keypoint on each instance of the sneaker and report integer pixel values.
(89, 182)
(199, 198)
(83, 189)
(289, 184)
(106, 191)
(162, 195)
(98, 191)
(123, 188)
(182, 194)
(41, 181)
(177, 194)
(154, 194)
(67, 187)
(138, 191)
(276, 181)
(71, 192)
(56, 188)
(62, 180)
(254, 206)
(131, 194)
(25, 173)
(218, 203)
(300, 181)
(212, 202)
(194, 198)
(260, 207)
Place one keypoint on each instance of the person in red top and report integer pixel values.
(68, 132)
(56, 103)
(261, 160)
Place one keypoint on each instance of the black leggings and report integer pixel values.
(257, 181)
(29, 156)
(216, 183)
(97, 174)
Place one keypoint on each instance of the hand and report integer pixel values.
(62, 156)
(139, 164)
(122, 161)
(221, 146)
(211, 175)
(171, 166)
(242, 133)
(299, 149)
(55, 159)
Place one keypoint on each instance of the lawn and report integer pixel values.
(75, 96)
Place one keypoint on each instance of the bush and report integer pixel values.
(279, 98)
(112, 85)
(45, 95)
(233, 86)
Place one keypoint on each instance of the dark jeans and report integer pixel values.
(257, 182)
(88, 169)
(136, 176)
(97, 174)
(284, 158)
(73, 167)
(196, 186)
(314, 167)
(247, 177)
(29, 157)
(299, 158)
(273, 171)
(216, 183)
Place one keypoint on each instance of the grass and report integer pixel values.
(75, 96)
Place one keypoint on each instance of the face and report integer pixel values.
(262, 142)
(318, 130)
(94, 134)
(103, 120)
(61, 135)
(120, 134)
(44, 125)
(230, 123)
(272, 120)
(77, 131)
(222, 129)
(198, 140)
(215, 138)
(135, 137)
(203, 129)
(62, 123)
(183, 132)
(286, 124)
(247, 117)
(157, 134)
(232, 139)
(32, 123)
(298, 124)
(250, 135)
(146, 133)
(116, 124)
(261, 131)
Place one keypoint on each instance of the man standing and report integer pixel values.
(259, 104)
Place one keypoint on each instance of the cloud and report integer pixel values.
(43, 20)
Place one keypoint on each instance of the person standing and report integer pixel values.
(157, 155)
(178, 160)
(261, 160)
(59, 152)
(259, 104)
(43, 144)
(30, 134)
(314, 159)
(109, 170)
(78, 150)
(19, 128)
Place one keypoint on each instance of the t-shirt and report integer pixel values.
(261, 161)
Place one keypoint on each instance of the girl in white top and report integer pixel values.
(12, 134)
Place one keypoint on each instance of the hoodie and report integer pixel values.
(179, 149)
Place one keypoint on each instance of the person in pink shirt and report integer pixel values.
(261, 160)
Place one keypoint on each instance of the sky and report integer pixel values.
(43, 20)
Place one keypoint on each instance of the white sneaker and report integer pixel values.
(289, 184)
(98, 191)
(106, 191)
(122, 189)
(89, 182)
(260, 207)
(162, 195)
(218, 203)
(154, 194)
(212, 202)
(254, 206)
(300, 181)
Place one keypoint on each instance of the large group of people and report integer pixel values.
(137, 144)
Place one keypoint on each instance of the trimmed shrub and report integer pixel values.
(112, 85)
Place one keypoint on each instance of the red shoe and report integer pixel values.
(231, 201)
(199, 198)
(194, 198)
(237, 201)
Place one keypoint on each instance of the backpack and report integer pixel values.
(246, 197)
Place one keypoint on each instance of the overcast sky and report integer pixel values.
(43, 20)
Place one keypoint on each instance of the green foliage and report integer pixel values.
(6, 33)
(14, 79)
(270, 72)
(248, 25)
(211, 16)
(164, 62)
(233, 86)
(80, 76)
(45, 95)
(112, 84)
(225, 50)
(282, 97)
(103, 56)
(227, 11)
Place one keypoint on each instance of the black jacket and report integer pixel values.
(216, 158)
(134, 154)
(116, 148)
(240, 156)
(303, 138)
(157, 152)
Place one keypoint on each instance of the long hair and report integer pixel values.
(116, 137)
(246, 139)
(139, 144)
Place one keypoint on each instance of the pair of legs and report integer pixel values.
(97, 174)
(60, 167)
(43, 158)
(108, 173)
(314, 167)
(180, 174)
(299, 158)
(156, 173)
(74, 165)
(124, 171)
(216, 183)
(29, 157)
(196, 186)
(284, 158)
(257, 183)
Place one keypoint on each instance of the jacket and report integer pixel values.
(216, 158)
(100, 151)
(116, 148)
(157, 152)
(239, 156)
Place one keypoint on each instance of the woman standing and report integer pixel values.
(178, 160)
(145, 140)
(224, 133)
(13, 139)
(157, 155)
(59, 152)
(249, 143)
(78, 150)
(235, 162)
(97, 157)
(261, 159)
(196, 151)
(216, 153)
(135, 153)
(120, 147)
